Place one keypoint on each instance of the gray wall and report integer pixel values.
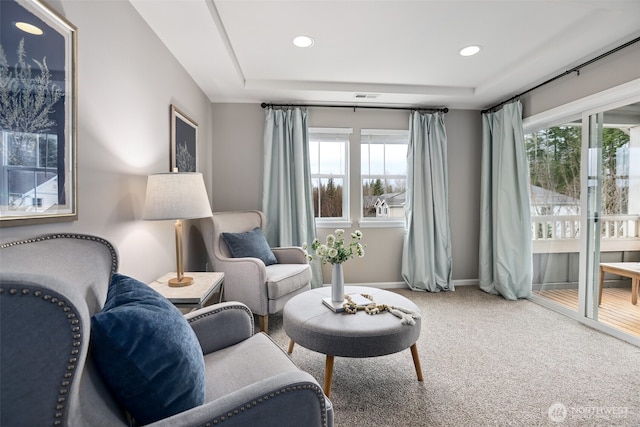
(127, 80)
(237, 180)
(613, 70)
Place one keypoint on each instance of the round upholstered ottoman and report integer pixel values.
(311, 324)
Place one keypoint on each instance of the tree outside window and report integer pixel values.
(328, 154)
(554, 165)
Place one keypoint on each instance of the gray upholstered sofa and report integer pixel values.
(52, 285)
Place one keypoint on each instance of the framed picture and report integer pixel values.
(38, 126)
(184, 142)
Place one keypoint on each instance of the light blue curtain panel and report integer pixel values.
(286, 194)
(505, 220)
(426, 254)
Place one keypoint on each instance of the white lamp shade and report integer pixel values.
(176, 195)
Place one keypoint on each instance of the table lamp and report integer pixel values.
(176, 196)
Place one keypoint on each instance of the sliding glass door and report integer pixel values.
(611, 248)
(554, 154)
(585, 208)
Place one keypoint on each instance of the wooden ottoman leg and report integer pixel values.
(291, 344)
(416, 361)
(328, 375)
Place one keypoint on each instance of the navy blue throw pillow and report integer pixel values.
(146, 352)
(251, 244)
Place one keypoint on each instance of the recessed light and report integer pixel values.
(470, 50)
(29, 28)
(303, 41)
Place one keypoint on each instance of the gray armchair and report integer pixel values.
(50, 286)
(264, 288)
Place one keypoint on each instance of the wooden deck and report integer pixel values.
(615, 310)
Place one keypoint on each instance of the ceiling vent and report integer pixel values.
(366, 95)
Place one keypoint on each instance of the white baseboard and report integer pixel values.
(402, 285)
(466, 282)
(378, 285)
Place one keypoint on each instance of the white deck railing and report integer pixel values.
(561, 233)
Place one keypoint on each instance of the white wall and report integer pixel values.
(127, 80)
(237, 180)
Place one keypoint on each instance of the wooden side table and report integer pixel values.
(205, 284)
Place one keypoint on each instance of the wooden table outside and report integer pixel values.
(625, 269)
(194, 296)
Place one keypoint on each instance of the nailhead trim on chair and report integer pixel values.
(273, 394)
(76, 342)
(71, 316)
(252, 404)
(220, 309)
(114, 253)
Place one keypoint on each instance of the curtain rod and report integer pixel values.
(575, 69)
(377, 107)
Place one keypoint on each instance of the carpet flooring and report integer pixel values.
(486, 362)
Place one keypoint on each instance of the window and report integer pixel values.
(328, 155)
(384, 173)
(554, 168)
(29, 181)
(554, 155)
(30, 150)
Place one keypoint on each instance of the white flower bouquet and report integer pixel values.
(334, 250)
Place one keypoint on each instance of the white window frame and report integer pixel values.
(344, 221)
(370, 222)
